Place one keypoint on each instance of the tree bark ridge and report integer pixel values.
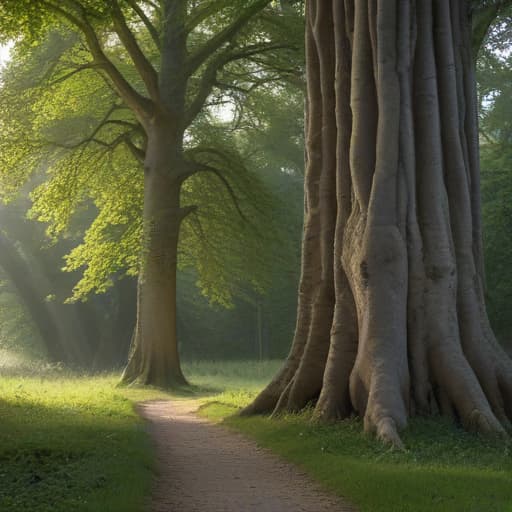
(392, 262)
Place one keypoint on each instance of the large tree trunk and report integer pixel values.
(391, 316)
(154, 357)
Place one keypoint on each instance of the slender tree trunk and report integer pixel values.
(154, 357)
(392, 252)
(259, 328)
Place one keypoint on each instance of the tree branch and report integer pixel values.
(201, 14)
(208, 79)
(196, 167)
(155, 36)
(483, 17)
(206, 84)
(224, 36)
(138, 153)
(146, 71)
(89, 65)
(139, 104)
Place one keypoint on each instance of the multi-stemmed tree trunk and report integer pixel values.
(391, 316)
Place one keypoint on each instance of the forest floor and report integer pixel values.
(75, 442)
(204, 467)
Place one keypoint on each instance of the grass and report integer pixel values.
(443, 470)
(71, 442)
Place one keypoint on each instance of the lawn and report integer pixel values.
(74, 443)
(71, 442)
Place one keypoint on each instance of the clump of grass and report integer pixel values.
(18, 364)
(444, 469)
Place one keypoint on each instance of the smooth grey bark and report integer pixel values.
(393, 265)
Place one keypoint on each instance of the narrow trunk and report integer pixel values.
(393, 265)
(259, 328)
(154, 358)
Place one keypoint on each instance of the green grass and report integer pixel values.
(74, 443)
(443, 470)
(71, 443)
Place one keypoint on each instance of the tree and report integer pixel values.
(391, 316)
(177, 60)
(80, 334)
(494, 73)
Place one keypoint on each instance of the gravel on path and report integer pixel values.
(203, 467)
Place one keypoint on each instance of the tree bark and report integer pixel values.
(392, 256)
(154, 357)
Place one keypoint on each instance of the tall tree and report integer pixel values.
(162, 60)
(494, 74)
(391, 315)
(81, 334)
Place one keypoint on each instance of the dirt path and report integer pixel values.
(206, 468)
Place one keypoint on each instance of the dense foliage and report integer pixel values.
(495, 90)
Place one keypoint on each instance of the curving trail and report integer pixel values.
(206, 468)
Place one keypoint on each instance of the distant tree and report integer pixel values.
(391, 317)
(82, 334)
(494, 73)
(162, 62)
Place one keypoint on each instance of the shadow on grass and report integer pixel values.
(71, 457)
(189, 391)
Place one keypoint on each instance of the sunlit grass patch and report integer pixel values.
(72, 443)
(219, 376)
(444, 469)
